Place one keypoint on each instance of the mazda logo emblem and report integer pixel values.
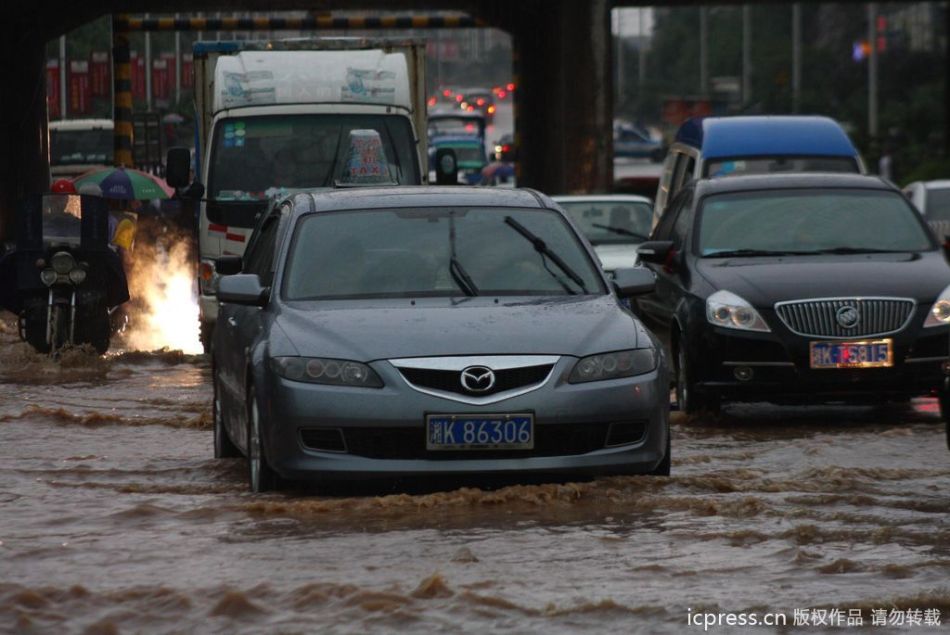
(478, 379)
(848, 317)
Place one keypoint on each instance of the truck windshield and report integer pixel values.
(254, 156)
(72, 147)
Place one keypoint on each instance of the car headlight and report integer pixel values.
(939, 314)
(319, 370)
(726, 309)
(613, 365)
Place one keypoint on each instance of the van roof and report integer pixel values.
(724, 137)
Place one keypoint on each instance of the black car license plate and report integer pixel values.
(864, 354)
(485, 432)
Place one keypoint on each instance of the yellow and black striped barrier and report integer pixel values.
(321, 22)
(123, 24)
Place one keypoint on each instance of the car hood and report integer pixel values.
(367, 331)
(614, 257)
(765, 281)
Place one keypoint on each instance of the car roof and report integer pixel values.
(723, 137)
(595, 198)
(789, 180)
(421, 196)
(940, 184)
(81, 124)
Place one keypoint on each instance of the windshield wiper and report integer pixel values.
(621, 231)
(541, 247)
(459, 275)
(749, 253)
(859, 250)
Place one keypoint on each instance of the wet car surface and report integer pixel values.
(115, 518)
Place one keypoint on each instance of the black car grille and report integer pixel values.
(451, 380)
(561, 439)
(818, 318)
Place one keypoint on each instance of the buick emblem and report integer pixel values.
(478, 379)
(848, 317)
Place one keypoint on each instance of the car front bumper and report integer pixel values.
(776, 366)
(384, 430)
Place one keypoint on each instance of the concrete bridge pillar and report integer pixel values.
(564, 108)
(24, 138)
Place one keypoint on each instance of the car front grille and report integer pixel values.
(451, 380)
(819, 318)
(561, 439)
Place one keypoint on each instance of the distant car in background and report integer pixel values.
(79, 145)
(633, 142)
(614, 225)
(478, 99)
(932, 198)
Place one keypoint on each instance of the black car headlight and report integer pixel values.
(613, 365)
(319, 370)
(939, 313)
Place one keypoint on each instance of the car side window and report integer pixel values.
(664, 229)
(261, 260)
(677, 179)
(683, 220)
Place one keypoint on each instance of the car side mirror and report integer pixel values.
(655, 251)
(242, 288)
(634, 281)
(446, 167)
(177, 166)
(227, 265)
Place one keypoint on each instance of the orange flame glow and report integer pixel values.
(164, 305)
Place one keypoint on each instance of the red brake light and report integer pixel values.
(511, 86)
(480, 101)
(458, 98)
(446, 93)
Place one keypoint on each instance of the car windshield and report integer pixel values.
(808, 222)
(73, 147)
(254, 154)
(938, 204)
(397, 253)
(768, 165)
(608, 222)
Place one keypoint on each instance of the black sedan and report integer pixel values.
(790, 288)
(431, 331)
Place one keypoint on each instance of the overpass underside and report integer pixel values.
(561, 60)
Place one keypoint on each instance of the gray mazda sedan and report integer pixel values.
(421, 331)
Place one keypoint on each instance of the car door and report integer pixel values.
(658, 309)
(243, 324)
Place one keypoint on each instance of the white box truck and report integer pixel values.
(290, 114)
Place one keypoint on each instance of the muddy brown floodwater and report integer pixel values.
(115, 518)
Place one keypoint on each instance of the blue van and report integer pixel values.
(714, 147)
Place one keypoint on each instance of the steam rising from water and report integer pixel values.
(164, 305)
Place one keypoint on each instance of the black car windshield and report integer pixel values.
(809, 222)
(252, 155)
(770, 165)
(397, 253)
(608, 222)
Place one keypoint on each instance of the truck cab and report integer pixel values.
(278, 116)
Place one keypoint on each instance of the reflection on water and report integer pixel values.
(113, 517)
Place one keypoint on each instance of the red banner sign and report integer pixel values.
(79, 88)
(52, 88)
(100, 74)
(187, 70)
(160, 89)
(137, 76)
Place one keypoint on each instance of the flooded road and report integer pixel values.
(114, 518)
